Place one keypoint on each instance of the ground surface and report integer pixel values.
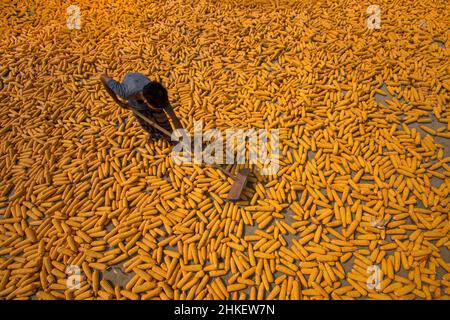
(363, 117)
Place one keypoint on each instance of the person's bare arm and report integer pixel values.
(104, 79)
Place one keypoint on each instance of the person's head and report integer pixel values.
(156, 95)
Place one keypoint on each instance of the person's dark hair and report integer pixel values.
(156, 94)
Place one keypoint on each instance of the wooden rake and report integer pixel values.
(240, 180)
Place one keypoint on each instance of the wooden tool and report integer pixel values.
(239, 184)
(240, 180)
(153, 124)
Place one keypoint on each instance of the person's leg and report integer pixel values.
(147, 128)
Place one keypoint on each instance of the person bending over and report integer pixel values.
(147, 97)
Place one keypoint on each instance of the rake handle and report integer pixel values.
(153, 124)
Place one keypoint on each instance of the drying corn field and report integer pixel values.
(358, 208)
